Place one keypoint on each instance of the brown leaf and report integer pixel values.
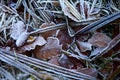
(99, 40)
(64, 38)
(84, 46)
(54, 60)
(48, 33)
(77, 62)
(89, 71)
(65, 62)
(1, 43)
(17, 29)
(10, 43)
(39, 41)
(50, 49)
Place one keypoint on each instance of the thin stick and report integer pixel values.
(98, 24)
(41, 30)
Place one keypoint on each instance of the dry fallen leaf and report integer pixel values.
(99, 40)
(77, 62)
(89, 71)
(65, 62)
(54, 60)
(17, 29)
(81, 55)
(84, 46)
(49, 50)
(39, 41)
(64, 38)
(48, 33)
(96, 51)
(22, 39)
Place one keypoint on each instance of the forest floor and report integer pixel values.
(59, 40)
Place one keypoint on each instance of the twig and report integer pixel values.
(98, 24)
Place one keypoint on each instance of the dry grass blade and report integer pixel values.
(49, 67)
(73, 10)
(11, 11)
(93, 5)
(112, 5)
(83, 57)
(18, 4)
(70, 11)
(41, 30)
(23, 67)
(114, 74)
(6, 74)
(30, 11)
(45, 15)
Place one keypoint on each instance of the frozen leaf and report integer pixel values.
(40, 41)
(70, 11)
(65, 62)
(50, 49)
(89, 71)
(54, 60)
(64, 38)
(84, 46)
(77, 62)
(99, 40)
(96, 51)
(22, 39)
(17, 29)
(81, 56)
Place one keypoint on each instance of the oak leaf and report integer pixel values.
(49, 50)
(39, 41)
(99, 40)
(65, 62)
(84, 46)
(17, 29)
